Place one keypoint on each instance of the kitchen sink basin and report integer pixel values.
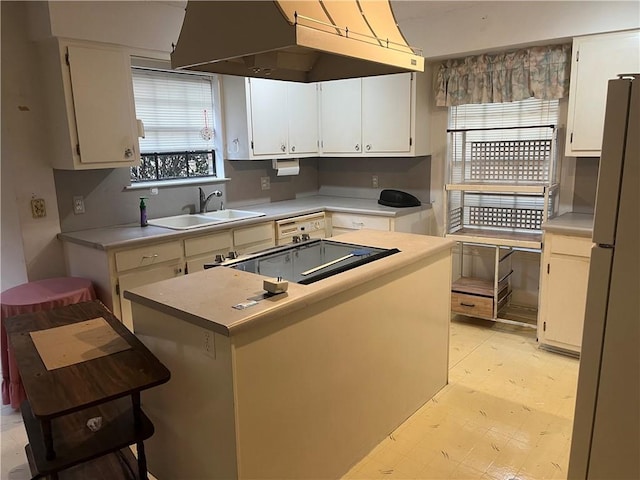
(231, 214)
(187, 222)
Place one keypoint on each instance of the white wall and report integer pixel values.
(29, 246)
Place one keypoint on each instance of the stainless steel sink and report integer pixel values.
(187, 222)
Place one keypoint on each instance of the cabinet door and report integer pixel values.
(103, 102)
(340, 113)
(564, 301)
(386, 113)
(268, 116)
(302, 108)
(138, 278)
(596, 60)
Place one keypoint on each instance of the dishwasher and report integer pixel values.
(302, 228)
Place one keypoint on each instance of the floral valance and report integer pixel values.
(539, 72)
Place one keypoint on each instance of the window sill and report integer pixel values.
(175, 183)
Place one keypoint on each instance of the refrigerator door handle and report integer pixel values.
(611, 162)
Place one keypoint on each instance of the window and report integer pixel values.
(524, 113)
(177, 112)
(511, 141)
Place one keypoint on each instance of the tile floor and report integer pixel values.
(506, 414)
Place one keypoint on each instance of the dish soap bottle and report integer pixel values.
(143, 212)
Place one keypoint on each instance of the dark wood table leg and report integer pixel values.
(142, 461)
(48, 439)
(137, 420)
(135, 400)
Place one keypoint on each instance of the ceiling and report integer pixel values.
(449, 29)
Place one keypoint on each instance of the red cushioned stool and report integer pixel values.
(32, 297)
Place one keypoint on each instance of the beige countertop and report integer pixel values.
(206, 298)
(575, 224)
(132, 234)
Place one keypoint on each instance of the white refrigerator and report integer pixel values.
(606, 432)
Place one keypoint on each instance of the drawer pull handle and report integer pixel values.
(155, 255)
(467, 304)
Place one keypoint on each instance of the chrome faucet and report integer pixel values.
(204, 199)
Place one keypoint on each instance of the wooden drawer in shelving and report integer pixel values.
(474, 296)
(472, 305)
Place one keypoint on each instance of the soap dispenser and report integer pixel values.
(143, 212)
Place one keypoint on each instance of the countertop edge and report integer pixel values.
(152, 233)
(298, 297)
(348, 281)
(571, 224)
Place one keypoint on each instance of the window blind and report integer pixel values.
(525, 113)
(509, 142)
(177, 111)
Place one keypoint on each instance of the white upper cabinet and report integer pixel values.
(375, 116)
(90, 105)
(372, 116)
(267, 119)
(596, 60)
(269, 122)
(302, 109)
(386, 113)
(341, 116)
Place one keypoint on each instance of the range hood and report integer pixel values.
(301, 41)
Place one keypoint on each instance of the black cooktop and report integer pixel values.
(308, 262)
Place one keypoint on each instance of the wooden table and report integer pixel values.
(61, 401)
(32, 297)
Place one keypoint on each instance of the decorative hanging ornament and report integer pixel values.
(206, 132)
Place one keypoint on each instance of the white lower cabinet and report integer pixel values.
(203, 249)
(563, 291)
(254, 238)
(143, 276)
(114, 271)
(417, 222)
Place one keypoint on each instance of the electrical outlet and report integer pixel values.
(38, 209)
(374, 181)
(78, 205)
(265, 183)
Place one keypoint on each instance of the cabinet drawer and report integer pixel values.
(472, 305)
(357, 222)
(149, 255)
(577, 246)
(264, 232)
(208, 243)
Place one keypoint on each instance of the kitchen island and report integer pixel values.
(302, 384)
